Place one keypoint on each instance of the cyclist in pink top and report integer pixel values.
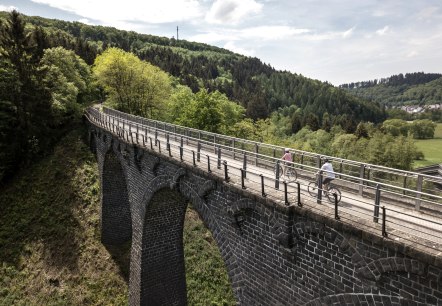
(287, 158)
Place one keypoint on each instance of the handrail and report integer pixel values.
(323, 156)
(263, 183)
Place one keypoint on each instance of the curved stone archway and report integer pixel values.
(116, 221)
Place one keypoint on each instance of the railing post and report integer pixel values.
(208, 164)
(336, 206)
(340, 169)
(299, 194)
(405, 183)
(243, 175)
(319, 196)
(181, 153)
(318, 161)
(198, 149)
(193, 158)
(286, 199)
(219, 158)
(384, 221)
(226, 175)
(233, 148)
(244, 163)
(420, 180)
(256, 154)
(277, 175)
(377, 202)
(156, 135)
(262, 186)
(302, 160)
(361, 181)
(151, 146)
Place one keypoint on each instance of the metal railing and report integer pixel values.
(251, 165)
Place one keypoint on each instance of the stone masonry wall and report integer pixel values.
(274, 255)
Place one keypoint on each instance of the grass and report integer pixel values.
(50, 249)
(432, 149)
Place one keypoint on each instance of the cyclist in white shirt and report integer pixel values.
(329, 173)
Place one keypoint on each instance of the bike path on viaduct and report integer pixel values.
(274, 254)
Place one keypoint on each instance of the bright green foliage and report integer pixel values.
(422, 129)
(211, 112)
(133, 86)
(396, 127)
(66, 77)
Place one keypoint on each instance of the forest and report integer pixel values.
(398, 90)
(51, 70)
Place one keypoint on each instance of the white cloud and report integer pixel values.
(261, 33)
(412, 54)
(113, 11)
(213, 37)
(382, 31)
(315, 36)
(9, 8)
(232, 47)
(348, 33)
(232, 11)
(85, 21)
(271, 32)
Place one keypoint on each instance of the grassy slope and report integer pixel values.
(50, 248)
(432, 149)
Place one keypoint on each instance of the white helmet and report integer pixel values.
(287, 150)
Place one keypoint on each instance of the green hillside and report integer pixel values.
(258, 87)
(50, 249)
(409, 89)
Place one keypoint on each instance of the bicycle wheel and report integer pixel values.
(292, 174)
(280, 170)
(330, 194)
(312, 189)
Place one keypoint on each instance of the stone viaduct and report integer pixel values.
(274, 254)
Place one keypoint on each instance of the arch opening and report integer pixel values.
(116, 220)
(206, 273)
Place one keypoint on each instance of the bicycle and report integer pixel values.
(291, 172)
(312, 189)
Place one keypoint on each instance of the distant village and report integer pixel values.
(415, 109)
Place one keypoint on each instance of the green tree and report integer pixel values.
(422, 129)
(25, 93)
(66, 77)
(361, 131)
(133, 86)
(395, 127)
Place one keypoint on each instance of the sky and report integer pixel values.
(338, 41)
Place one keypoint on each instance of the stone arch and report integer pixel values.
(376, 268)
(159, 275)
(116, 219)
(313, 227)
